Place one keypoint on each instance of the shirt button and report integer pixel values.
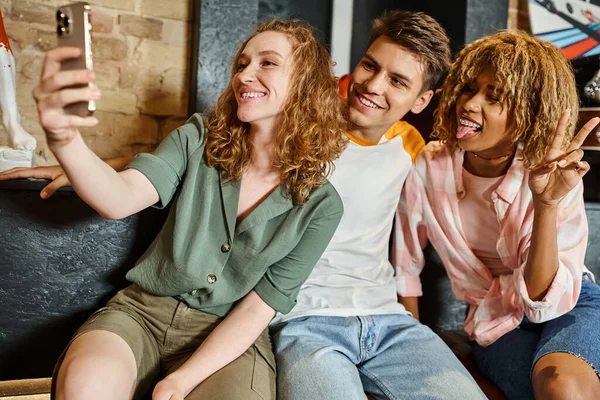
(225, 247)
(193, 292)
(211, 279)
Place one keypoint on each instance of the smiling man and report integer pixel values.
(348, 334)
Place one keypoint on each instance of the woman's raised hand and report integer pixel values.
(55, 91)
(561, 169)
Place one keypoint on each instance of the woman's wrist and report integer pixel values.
(58, 146)
(185, 380)
(541, 206)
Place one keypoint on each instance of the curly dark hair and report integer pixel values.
(535, 82)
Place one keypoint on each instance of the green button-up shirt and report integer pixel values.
(201, 254)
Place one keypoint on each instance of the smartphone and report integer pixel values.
(73, 27)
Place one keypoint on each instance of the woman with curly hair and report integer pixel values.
(251, 213)
(500, 198)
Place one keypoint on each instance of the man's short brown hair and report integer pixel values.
(421, 35)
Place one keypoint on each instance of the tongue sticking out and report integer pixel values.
(466, 131)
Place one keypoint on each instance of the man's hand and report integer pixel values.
(55, 173)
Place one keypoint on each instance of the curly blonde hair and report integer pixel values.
(535, 82)
(312, 131)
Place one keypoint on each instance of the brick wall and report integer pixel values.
(141, 56)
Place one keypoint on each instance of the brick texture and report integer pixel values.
(141, 58)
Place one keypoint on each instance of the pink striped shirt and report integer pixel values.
(429, 210)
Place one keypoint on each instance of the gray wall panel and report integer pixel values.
(485, 17)
(220, 28)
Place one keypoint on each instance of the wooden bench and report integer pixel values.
(25, 389)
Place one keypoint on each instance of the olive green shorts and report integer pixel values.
(164, 332)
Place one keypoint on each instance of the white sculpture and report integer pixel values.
(21, 155)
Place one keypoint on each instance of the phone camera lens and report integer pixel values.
(60, 30)
(59, 16)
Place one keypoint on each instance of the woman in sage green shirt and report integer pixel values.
(251, 213)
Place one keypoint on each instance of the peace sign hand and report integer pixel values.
(561, 170)
(55, 92)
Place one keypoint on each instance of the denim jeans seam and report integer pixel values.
(379, 383)
(361, 344)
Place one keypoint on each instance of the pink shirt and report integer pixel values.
(477, 213)
(429, 210)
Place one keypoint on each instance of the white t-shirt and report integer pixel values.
(354, 275)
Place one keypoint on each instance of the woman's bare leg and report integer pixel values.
(564, 376)
(98, 365)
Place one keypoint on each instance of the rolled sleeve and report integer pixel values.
(273, 296)
(547, 308)
(281, 283)
(563, 293)
(160, 173)
(166, 166)
(409, 286)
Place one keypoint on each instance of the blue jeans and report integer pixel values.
(509, 361)
(390, 356)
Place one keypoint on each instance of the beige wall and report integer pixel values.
(141, 56)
